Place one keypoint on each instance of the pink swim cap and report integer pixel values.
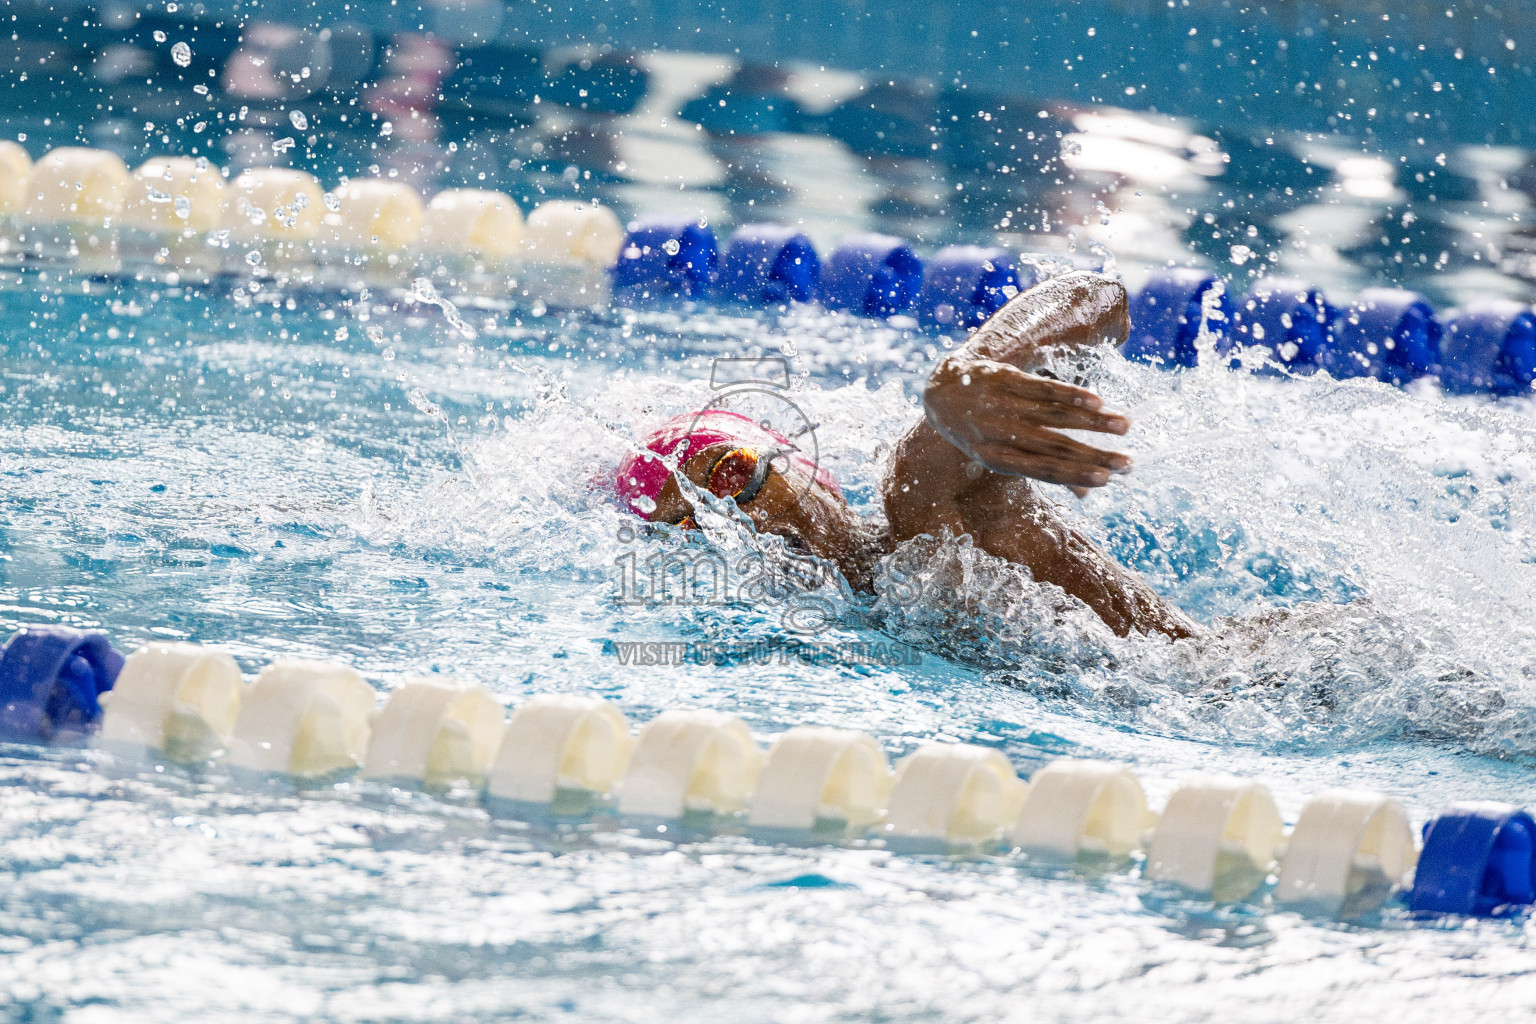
(643, 475)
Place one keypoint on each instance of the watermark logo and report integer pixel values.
(697, 576)
(655, 653)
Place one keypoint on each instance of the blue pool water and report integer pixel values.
(288, 472)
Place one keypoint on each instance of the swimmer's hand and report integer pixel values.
(1010, 422)
(983, 400)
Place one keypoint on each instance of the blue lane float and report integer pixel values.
(872, 275)
(1490, 347)
(665, 255)
(1167, 313)
(51, 681)
(965, 284)
(1387, 333)
(768, 265)
(1288, 317)
(1478, 858)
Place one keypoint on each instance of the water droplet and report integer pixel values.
(387, 129)
(422, 290)
(200, 89)
(159, 36)
(256, 215)
(301, 201)
(672, 246)
(342, 334)
(253, 257)
(182, 206)
(156, 196)
(375, 333)
(332, 201)
(181, 53)
(300, 122)
(282, 145)
(418, 398)
(389, 355)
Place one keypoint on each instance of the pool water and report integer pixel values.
(319, 474)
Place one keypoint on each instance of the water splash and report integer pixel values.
(1323, 627)
(423, 291)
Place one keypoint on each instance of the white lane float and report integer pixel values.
(74, 201)
(175, 195)
(564, 231)
(177, 699)
(375, 219)
(302, 718)
(819, 774)
(955, 793)
(277, 209)
(560, 742)
(15, 175)
(1081, 807)
(566, 251)
(690, 761)
(173, 204)
(73, 185)
(434, 733)
(1217, 836)
(1347, 853)
(472, 223)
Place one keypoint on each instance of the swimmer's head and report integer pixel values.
(772, 481)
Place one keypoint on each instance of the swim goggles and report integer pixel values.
(740, 473)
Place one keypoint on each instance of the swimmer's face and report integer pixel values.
(790, 503)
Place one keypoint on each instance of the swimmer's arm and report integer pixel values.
(983, 400)
(989, 422)
(931, 489)
(1072, 312)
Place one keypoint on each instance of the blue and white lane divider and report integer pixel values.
(1390, 334)
(965, 284)
(1169, 314)
(871, 275)
(1217, 837)
(51, 680)
(1288, 317)
(1478, 859)
(1489, 347)
(769, 265)
(1387, 333)
(667, 256)
(84, 205)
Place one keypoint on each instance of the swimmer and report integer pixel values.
(991, 429)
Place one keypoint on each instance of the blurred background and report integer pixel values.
(1345, 143)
